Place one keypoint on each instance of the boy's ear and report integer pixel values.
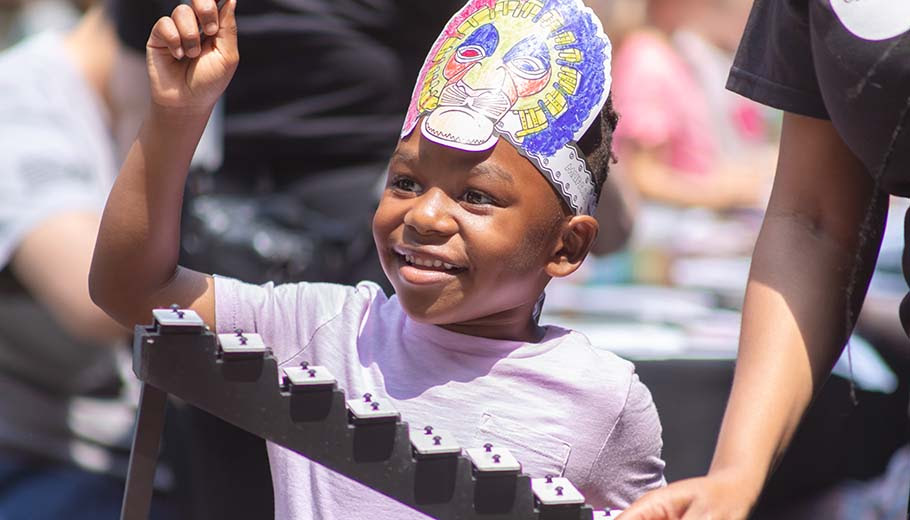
(578, 235)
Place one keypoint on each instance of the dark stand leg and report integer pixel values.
(144, 457)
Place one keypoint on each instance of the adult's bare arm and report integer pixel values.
(134, 268)
(795, 319)
(52, 263)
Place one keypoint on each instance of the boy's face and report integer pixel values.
(465, 236)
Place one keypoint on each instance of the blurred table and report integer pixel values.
(684, 342)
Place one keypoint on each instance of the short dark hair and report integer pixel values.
(597, 144)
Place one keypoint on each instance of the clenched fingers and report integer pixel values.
(188, 26)
(207, 13)
(165, 35)
(180, 32)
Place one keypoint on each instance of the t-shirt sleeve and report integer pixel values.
(42, 174)
(632, 451)
(774, 64)
(287, 316)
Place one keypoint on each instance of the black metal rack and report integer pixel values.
(178, 355)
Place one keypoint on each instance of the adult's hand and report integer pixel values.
(714, 497)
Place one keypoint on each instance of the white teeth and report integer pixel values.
(428, 262)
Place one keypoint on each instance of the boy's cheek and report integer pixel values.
(385, 217)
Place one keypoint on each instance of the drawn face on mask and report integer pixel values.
(535, 72)
(485, 79)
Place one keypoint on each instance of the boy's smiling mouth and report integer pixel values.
(421, 268)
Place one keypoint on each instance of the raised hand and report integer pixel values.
(713, 497)
(188, 70)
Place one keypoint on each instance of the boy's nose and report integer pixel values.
(431, 214)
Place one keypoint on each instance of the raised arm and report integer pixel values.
(134, 268)
(795, 319)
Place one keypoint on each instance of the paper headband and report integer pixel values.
(536, 72)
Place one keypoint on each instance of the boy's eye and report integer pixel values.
(477, 197)
(405, 184)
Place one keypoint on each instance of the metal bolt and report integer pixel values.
(428, 430)
(304, 365)
(312, 372)
(374, 406)
(559, 491)
(496, 458)
(243, 340)
(437, 440)
(175, 307)
(488, 447)
(367, 397)
(549, 479)
(238, 333)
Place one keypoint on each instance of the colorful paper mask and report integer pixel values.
(536, 72)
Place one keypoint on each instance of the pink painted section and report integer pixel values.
(450, 30)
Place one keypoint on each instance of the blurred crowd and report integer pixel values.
(683, 207)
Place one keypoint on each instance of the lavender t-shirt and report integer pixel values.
(560, 406)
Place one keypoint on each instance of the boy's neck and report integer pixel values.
(509, 325)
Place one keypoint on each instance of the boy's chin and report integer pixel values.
(430, 311)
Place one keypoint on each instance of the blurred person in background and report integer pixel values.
(620, 17)
(22, 18)
(67, 397)
(685, 140)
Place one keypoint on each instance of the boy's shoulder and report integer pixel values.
(593, 375)
(330, 294)
(304, 304)
(297, 317)
(577, 350)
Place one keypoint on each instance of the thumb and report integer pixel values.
(668, 503)
(646, 511)
(226, 39)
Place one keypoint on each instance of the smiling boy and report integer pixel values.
(489, 196)
(463, 236)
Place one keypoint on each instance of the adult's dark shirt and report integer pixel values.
(323, 84)
(843, 60)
